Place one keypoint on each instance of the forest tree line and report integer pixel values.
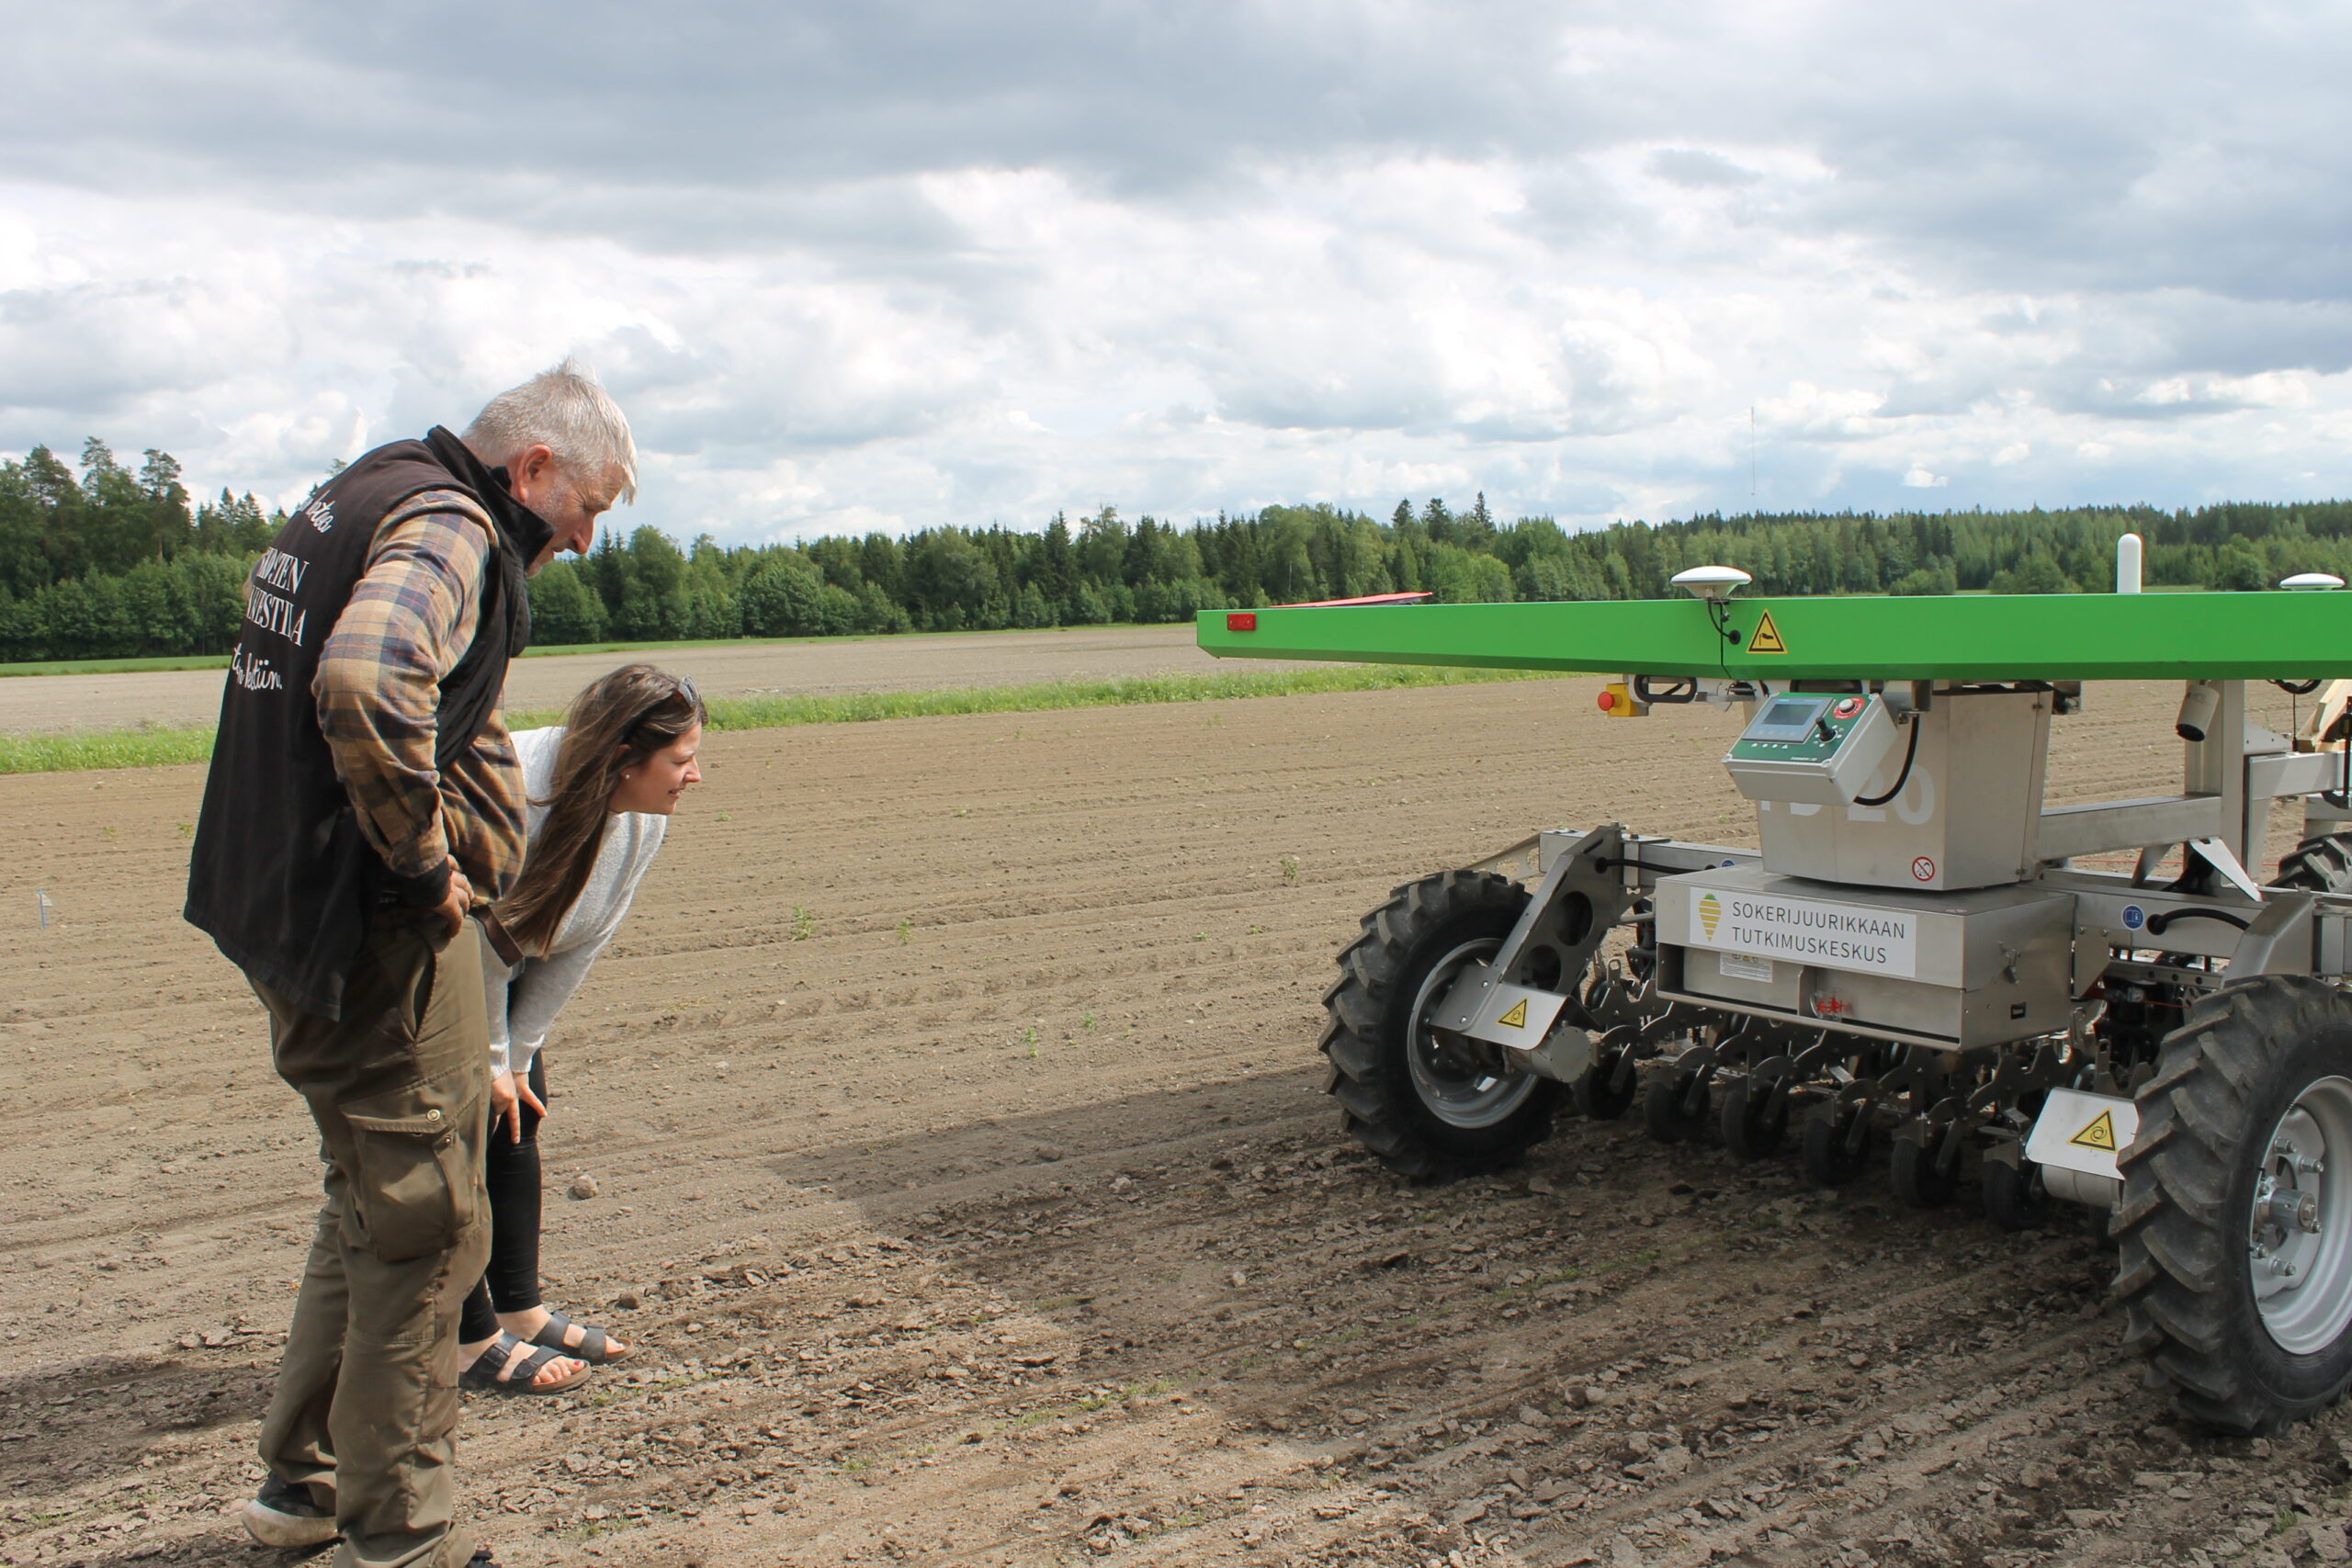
(116, 560)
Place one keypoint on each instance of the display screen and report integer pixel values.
(1788, 718)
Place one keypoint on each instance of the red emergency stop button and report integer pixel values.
(1848, 708)
(1608, 701)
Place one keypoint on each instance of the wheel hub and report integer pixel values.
(2299, 1234)
(1459, 1087)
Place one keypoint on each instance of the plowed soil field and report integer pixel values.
(959, 1160)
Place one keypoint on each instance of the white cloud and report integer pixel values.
(904, 264)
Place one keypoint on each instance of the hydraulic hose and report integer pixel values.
(2157, 923)
(1910, 754)
(1684, 691)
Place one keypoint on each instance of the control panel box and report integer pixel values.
(1965, 807)
(1812, 747)
(1961, 970)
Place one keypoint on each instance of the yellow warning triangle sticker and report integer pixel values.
(2100, 1134)
(1768, 638)
(1516, 1018)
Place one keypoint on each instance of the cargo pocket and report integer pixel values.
(413, 1192)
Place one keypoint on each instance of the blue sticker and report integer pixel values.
(2134, 916)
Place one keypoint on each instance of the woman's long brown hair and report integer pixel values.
(615, 724)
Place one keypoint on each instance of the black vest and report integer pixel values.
(280, 878)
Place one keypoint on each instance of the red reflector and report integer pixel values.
(1241, 621)
(1608, 701)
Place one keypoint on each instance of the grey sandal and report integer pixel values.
(594, 1347)
(495, 1370)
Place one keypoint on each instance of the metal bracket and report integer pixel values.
(2329, 956)
(2222, 858)
(1507, 862)
(2279, 942)
(1588, 870)
(1486, 1007)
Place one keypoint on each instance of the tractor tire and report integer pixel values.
(2013, 1195)
(1828, 1128)
(1755, 1120)
(2234, 1228)
(1426, 1113)
(2321, 864)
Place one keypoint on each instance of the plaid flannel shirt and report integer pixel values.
(408, 622)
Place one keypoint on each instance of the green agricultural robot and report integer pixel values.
(1913, 959)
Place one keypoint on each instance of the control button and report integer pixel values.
(1848, 708)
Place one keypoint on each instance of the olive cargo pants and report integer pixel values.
(365, 1409)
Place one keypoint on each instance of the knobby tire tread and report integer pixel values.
(1377, 1101)
(2181, 1238)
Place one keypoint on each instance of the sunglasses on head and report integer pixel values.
(684, 688)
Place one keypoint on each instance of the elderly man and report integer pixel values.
(364, 797)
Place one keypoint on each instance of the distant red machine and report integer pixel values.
(1367, 599)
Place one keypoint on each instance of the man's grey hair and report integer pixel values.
(565, 411)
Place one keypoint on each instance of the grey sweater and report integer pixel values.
(524, 1000)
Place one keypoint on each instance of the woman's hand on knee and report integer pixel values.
(509, 1092)
(503, 1106)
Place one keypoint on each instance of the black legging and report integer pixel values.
(510, 1171)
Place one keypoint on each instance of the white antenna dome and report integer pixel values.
(1711, 581)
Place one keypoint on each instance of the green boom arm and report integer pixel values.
(2051, 637)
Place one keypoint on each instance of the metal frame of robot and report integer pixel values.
(1741, 653)
(2221, 817)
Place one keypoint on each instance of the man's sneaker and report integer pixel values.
(283, 1514)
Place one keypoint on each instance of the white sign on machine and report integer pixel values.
(1515, 1015)
(1803, 931)
(2082, 1132)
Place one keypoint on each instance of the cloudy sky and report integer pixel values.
(888, 264)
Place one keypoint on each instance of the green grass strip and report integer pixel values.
(71, 752)
(117, 666)
(866, 707)
(567, 650)
(156, 746)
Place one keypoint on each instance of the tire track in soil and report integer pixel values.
(1029, 1238)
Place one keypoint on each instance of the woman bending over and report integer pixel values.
(601, 791)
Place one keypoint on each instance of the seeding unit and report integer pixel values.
(1913, 957)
